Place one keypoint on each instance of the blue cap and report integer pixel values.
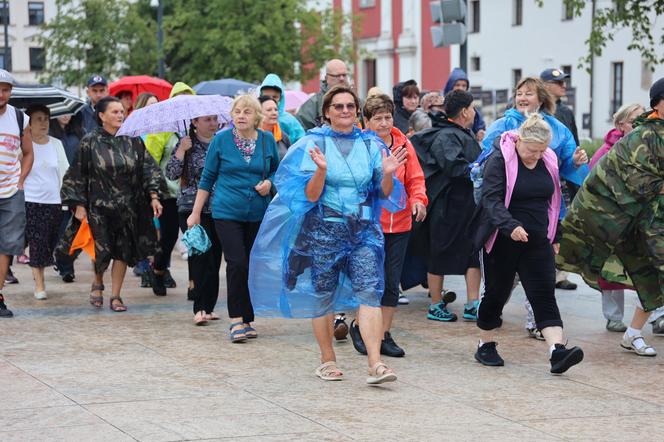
(553, 74)
(97, 79)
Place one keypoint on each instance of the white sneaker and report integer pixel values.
(403, 300)
(41, 295)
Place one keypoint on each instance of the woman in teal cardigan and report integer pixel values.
(240, 167)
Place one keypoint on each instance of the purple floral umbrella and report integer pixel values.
(175, 114)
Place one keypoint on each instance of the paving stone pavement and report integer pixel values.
(72, 373)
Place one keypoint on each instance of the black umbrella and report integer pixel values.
(59, 101)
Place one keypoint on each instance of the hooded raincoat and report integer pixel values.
(288, 123)
(313, 258)
(401, 115)
(615, 225)
(456, 75)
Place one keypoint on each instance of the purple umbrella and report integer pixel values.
(175, 114)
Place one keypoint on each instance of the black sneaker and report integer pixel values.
(146, 278)
(169, 282)
(68, 277)
(356, 337)
(4, 311)
(488, 355)
(158, 287)
(340, 327)
(562, 359)
(10, 278)
(390, 348)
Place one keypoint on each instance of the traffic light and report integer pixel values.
(449, 16)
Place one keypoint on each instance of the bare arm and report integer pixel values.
(314, 187)
(27, 159)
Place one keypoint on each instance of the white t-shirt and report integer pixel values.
(10, 151)
(43, 183)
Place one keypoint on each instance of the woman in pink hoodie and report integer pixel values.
(613, 294)
(521, 203)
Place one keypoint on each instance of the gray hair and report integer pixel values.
(419, 120)
(624, 112)
(535, 130)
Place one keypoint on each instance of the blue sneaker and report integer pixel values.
(470, 311)
(439, 312)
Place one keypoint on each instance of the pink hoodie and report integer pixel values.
(610, 139)
(508, 149)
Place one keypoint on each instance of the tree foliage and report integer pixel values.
(639, 16)
(203, 39)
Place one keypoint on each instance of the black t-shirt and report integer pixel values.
(531, 197)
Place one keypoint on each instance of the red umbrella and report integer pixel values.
(137, 84)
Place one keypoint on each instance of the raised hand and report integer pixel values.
(318, 158)
(392, 162)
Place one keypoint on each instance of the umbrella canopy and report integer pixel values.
(59, 102)
(228, 87)
(175, 114)
(137, 84)
(295, 99)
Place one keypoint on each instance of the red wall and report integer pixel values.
(435, 61)
(370, 24)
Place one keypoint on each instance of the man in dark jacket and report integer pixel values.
(406, 99)
(554, 81)
(458, 80)
(97, 88)
(445, 152)
(336, 72)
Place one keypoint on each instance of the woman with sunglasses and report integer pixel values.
(320, 246)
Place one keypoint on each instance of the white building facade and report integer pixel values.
(512, 39)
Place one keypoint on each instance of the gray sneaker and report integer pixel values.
(658, 326)
(616, 326)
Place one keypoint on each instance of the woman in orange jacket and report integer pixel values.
(378, 111)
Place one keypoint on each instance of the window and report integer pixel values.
(517, 74)
(36, 59)
(367, 3)
(567, 69)
(370, 73)
(35, 13)
(6, 59)
(568, 11)
(4, 12)
(517, 12)
(475, 16)
(616, 86)
(475, 64)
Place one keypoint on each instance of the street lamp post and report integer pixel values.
(159, 4)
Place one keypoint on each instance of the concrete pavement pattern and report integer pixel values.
(70, 373)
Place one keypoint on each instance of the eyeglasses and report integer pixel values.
(339, 107)
(338, 75)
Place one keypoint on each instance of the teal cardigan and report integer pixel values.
(233, 180)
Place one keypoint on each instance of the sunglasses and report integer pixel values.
(339, 107)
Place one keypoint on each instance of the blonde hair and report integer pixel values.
(246, 100)
(535, 130)
(427, 101)
(543, 95)
(374, 92)
(624, 112)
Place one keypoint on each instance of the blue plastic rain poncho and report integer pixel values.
(562, 143)
(314, 258)
(287, 122)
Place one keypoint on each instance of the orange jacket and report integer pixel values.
(411, 176)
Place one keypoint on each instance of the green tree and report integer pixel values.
(640, 16)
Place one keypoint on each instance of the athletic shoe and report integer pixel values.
(158, 287)
(41, 295)
(616, 326)
(146, 278)
(403, 300)
(488, 355)
(340, 327)
(390, 348)
(356, 338)
(439, 312)
(562, 359)
(470, 311)
(10, 278)
(658, 326)
(566, 285)
(169, 282)
(68, 277)
(4, 311)
(535, 333)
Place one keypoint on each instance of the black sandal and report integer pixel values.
(117, 307)
(97, 300)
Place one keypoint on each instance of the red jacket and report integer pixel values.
(411, 176)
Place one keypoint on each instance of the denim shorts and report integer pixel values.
(12, 224)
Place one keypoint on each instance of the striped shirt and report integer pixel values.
(10, 152)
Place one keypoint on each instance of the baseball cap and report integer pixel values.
(553, 74)
(97, 79)
(6, 77)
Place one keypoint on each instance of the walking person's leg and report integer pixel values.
(210, 283)
(168, 222)
(613, 308)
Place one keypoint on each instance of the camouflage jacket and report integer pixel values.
(112, 173)
(615, 226)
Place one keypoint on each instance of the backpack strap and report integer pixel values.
(19, 119)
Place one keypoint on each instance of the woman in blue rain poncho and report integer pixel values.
(320, 246)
